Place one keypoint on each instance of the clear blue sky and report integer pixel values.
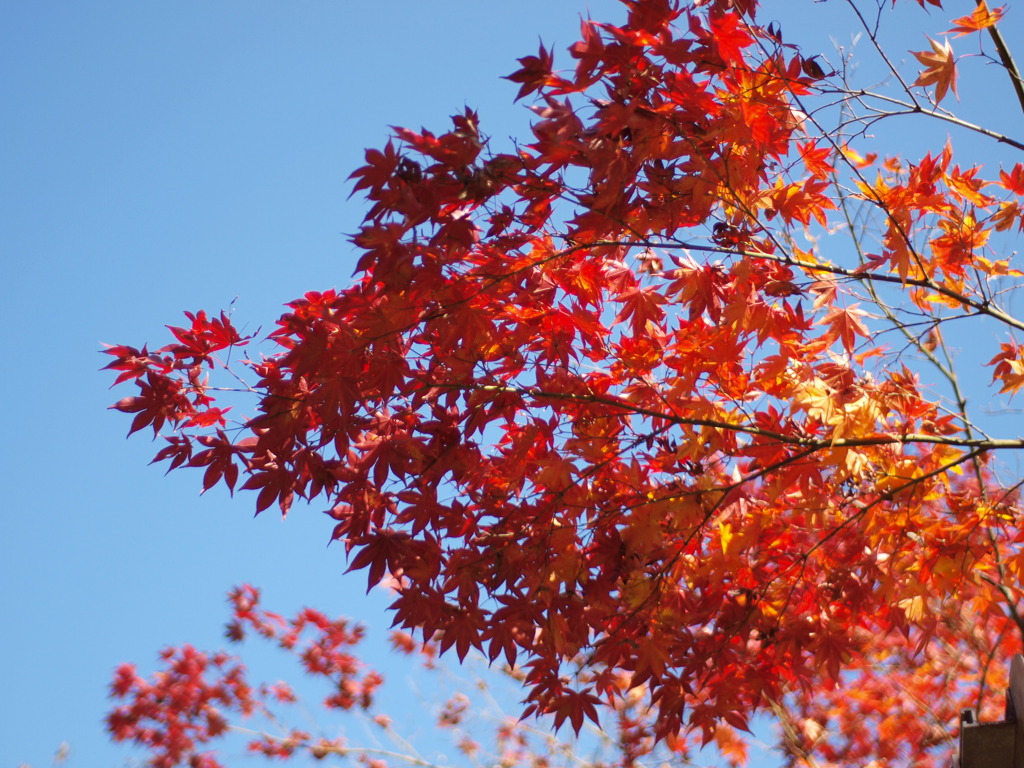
(157, 157)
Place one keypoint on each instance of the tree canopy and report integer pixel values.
(666, 398)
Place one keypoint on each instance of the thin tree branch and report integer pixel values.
(976, 443)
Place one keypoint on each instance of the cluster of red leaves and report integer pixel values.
(325, 654)
(686, 476)
(181, 708)
(194, 698)
(197, 699)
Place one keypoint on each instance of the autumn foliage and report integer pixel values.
(666, 398)
(201, 703)
(183, 707)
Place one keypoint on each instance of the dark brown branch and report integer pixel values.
(1008, 63)
(976, 443)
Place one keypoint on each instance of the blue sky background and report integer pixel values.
(158, 157)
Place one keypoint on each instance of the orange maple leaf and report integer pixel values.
(940, 69)
(845, 324)
(980, 19)
(1009, 368)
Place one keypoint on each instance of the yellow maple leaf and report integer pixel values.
(729, 541)
(939, 69)
(913, 606)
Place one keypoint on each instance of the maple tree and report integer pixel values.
(667, 399)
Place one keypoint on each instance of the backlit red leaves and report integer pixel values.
(568, 704)
(197, 696)
(181, 709)
(1014, 180)
(378, 171)
(160, 398)
(641, 306)
(382, 553)
(275, 484)
(205, 336)
(726, 37)
(817, 159)
(535, 73)
(171, 384)
(589, 52)
(220, 456)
